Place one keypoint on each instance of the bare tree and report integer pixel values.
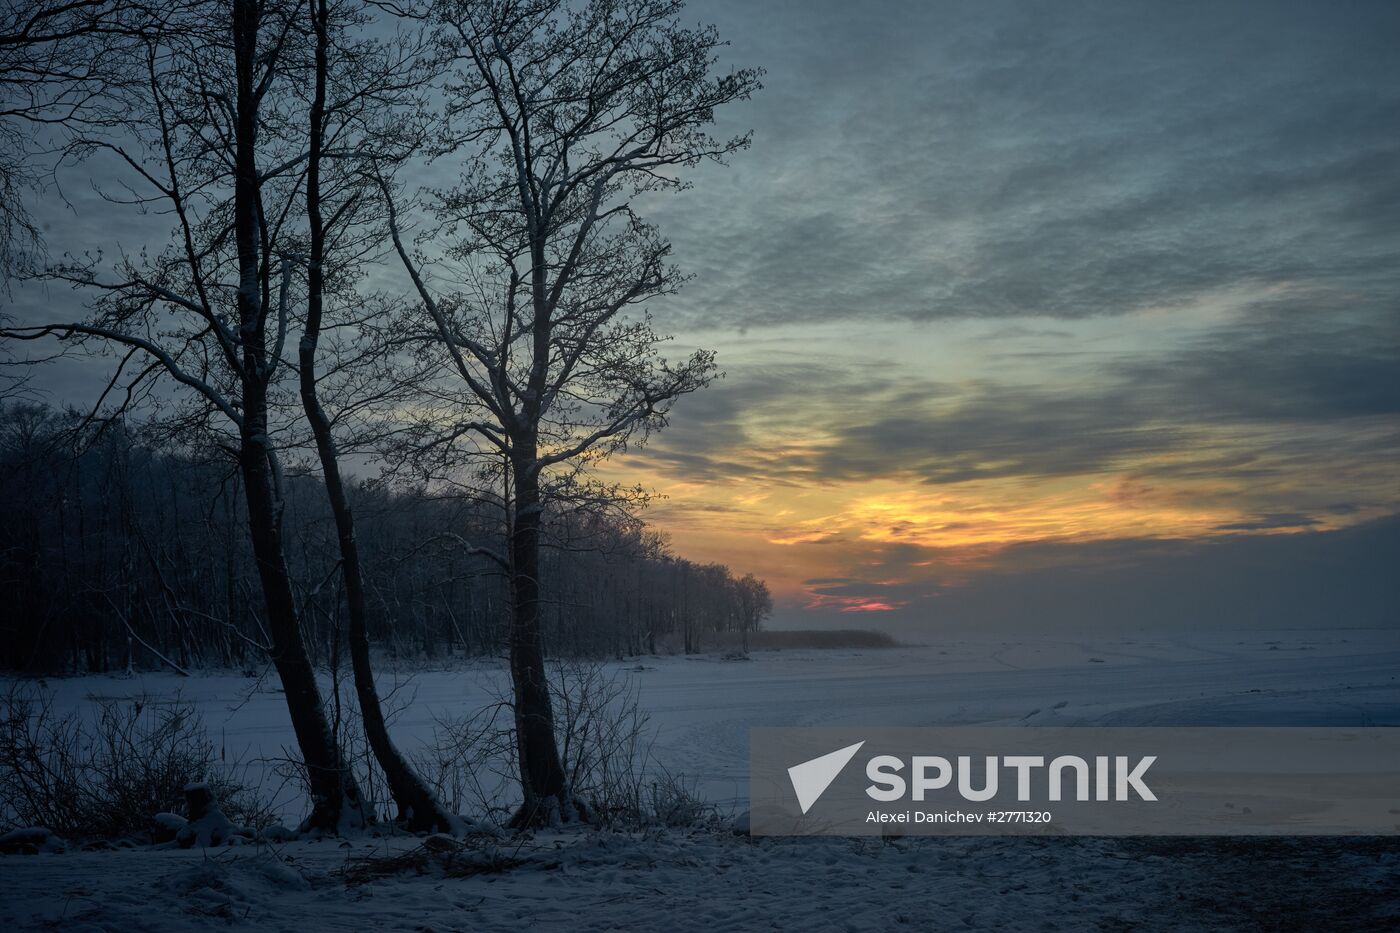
(362, 89)
(210, 311)
(755, 605)
(567, 111)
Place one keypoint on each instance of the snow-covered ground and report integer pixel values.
(705, 881)
(701, 710)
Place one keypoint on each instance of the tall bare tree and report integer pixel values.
(566, 111)
(207, 141)
(364, 94)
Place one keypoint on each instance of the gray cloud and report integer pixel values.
(1297, 360)
(1319, 579)
(1282, 389)
(855, 589)
(923, 160)
(1272, 521)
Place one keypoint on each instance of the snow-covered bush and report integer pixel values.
(107, 775)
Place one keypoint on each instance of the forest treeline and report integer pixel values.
(121, 549)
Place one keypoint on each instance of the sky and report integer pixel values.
(1073, 311)
(1045, 315)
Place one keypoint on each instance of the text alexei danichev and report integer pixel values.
(960, 816)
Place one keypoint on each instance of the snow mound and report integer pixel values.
(30, 840)
(207, 826)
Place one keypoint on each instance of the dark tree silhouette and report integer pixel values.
(211, 311)
(564, 112)
(755, 605)
(362, 91)
(126, 546)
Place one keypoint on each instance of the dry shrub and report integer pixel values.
(106, 776)
(605, 740)
(605, 743)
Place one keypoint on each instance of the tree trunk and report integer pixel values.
(332, 786)
(417, 806)
(548, 799)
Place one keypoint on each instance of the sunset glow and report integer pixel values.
(848, 511)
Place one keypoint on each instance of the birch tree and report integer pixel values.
(564, 114)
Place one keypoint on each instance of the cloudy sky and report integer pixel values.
(1049, 314)
(1071, 307)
